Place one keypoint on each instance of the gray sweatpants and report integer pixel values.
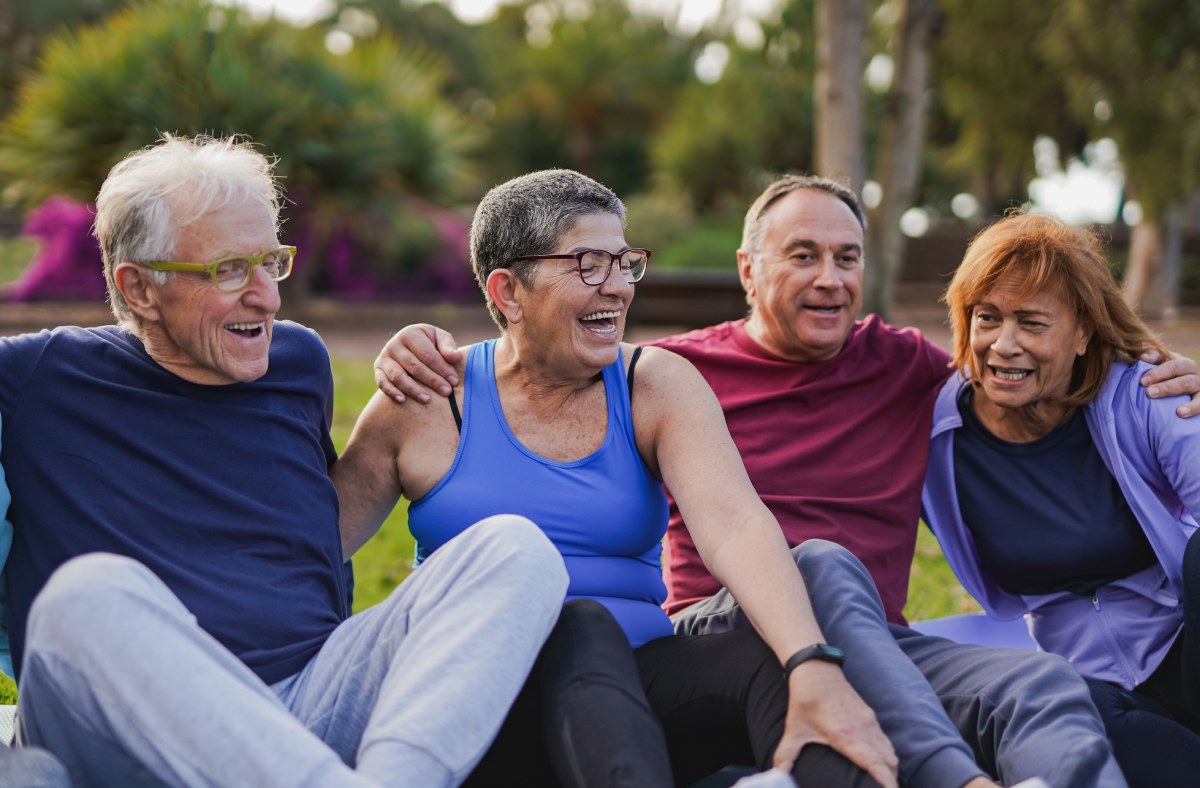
(949, 709)
(122, 685)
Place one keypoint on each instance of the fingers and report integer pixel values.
(1179, 376)
(1152, 356)
(824, 708)
(416, 362)
(875, 757)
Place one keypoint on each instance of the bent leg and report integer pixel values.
(722, 699)
(418, 685)
(125, 688)
(582, 718)
(1153, 750)
(1026, 714)
(850, 614)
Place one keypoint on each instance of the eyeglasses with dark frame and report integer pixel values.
(230, 274)
(595, 265)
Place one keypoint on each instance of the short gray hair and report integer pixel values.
(153, 192)
(528, 216)
(752, 230)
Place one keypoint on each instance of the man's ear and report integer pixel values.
(745, 262)
(503, 287)
(134, 285)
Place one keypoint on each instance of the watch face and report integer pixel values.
(831, 652)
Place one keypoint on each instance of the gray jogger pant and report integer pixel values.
(944, 705)
(122, 685)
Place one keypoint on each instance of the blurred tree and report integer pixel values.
(998, 98)
(727, 137)
(357, 135)
(430, 27)
(25, 25)
(841, 31)
(1133, 73)
(584, 85)
(898, 164)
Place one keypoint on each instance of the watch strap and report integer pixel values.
(820, 651)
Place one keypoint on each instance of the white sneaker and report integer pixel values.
(771, 778)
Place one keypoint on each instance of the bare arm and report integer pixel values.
(681, 431)
(1175, 375)
(366, 475)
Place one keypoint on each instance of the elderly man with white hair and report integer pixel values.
(178, 588)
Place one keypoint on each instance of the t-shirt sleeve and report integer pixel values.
(19, 356)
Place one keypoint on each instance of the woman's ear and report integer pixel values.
(1086, 332)
(134, 284)
(505, 290)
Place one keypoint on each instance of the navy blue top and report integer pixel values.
(222, 491)
(604, 512)
(1046, 515)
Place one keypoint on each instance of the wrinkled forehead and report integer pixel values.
(809, 215)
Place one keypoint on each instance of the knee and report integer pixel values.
(819, 555)
(1037, 681)
(822, 562)
(82, 593)
(587, 617)
(522, 549)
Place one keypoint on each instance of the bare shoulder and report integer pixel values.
(659, 371)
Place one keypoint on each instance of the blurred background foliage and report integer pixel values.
(391, 117)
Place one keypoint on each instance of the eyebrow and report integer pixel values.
(805, 243)
(1022, 312)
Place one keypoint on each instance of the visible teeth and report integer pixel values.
(600, 315)
(244, 326)
(1011, 374)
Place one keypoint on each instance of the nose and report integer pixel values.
(615, 282)
(1006, 339)
(262, 292)
(827, 274)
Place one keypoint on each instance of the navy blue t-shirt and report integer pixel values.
(222, 491)
(1046, 515)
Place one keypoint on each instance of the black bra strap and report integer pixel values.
(454, 410)
(633, 360)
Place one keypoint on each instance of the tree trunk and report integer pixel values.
(841, 29)
(1145, 256)
(899, 161)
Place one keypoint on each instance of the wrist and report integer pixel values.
(821, 652)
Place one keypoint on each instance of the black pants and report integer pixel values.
(679, 708)
(1155, 728)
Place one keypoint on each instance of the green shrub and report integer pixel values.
(366, 130)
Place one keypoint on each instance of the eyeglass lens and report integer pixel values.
(234, 273)
(595, 265)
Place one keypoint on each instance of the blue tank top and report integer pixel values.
(606, 513)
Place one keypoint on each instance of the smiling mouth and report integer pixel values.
(601, 322)
(246, 330)
(1006, 373)
(824, 310)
